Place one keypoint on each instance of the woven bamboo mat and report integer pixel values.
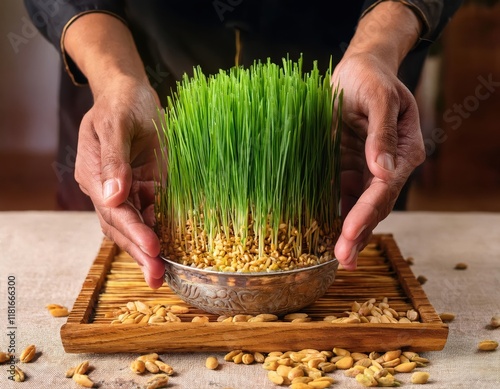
(115, 279)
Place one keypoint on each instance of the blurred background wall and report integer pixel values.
(460, 118)
(28, 75)
(28, 111)
(462, 170)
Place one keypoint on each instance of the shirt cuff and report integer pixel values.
(76, 75)
(426, 32)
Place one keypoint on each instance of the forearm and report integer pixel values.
(389, 31)
(102, 47)
(52, 17)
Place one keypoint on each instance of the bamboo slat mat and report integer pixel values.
(115, 279)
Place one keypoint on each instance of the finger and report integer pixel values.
(87, 157)
(351, 187)
(352, 249)
(382, 135)
(152, 267)
(142, 198)
(154, 283)
(127, 220)
(373, 205)
(411, 150)
(353, 166)
(116, 172)
(142, 192)
(148, 215)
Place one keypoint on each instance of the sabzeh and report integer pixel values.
(250, 168)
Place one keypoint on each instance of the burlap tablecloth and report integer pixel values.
(49, 254)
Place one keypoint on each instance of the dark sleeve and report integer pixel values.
(434, 14)
(53, 17)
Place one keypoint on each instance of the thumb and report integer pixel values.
(116, 172)
(382, 139)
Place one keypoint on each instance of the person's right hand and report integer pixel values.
(115, 162)
(115, 166)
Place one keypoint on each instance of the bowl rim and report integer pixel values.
(274, 273)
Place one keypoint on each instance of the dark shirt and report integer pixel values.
(265, 16)
(174, 36)
(289, 24)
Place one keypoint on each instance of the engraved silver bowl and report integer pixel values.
(224, 293)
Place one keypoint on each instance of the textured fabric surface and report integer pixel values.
(49, 255)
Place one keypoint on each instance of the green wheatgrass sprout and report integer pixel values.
(253, 154)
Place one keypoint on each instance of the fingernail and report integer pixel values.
(386, 161)
(354, 253)
(139, 263)
(110, 188)
(360, 231)
(143, 249)
(352, 258)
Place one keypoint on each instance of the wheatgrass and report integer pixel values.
(250, 160)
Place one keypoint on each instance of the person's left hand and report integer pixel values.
(381, 140)
(381, 145)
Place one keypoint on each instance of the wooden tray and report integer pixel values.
(114, 279)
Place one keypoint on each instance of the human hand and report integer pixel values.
(115, 166)
(381, 140)
(115, 160)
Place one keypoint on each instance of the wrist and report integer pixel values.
(389, 31)
(103, 48)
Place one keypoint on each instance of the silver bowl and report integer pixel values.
(224, 293)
